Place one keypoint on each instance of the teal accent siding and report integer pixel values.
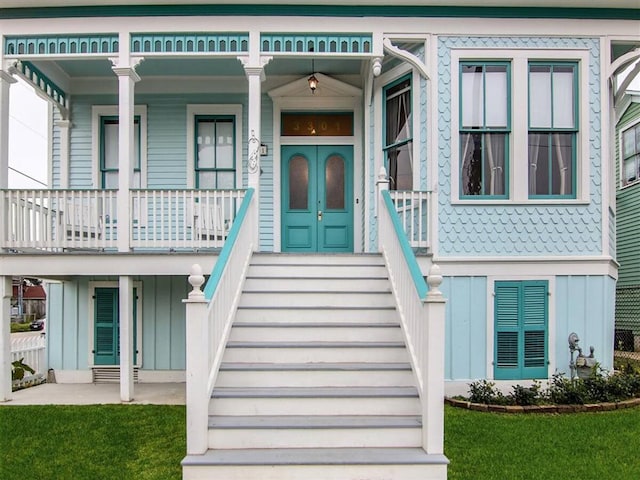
(61, 44)
(584, 305)
(322, 11)
(190, 42)
(465, 327)
(318, 43)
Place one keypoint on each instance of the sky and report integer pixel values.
(28, 137)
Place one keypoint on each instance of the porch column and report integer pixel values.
(5, 82)
(127, 78)
(126, 338)
(5, 338)
(64, 126)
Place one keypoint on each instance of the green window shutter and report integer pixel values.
(106, 326)
(507, 312)
(534, 329)
(521, 310)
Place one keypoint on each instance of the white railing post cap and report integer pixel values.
(196, 279)
(434, 280)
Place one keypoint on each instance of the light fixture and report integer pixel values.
(313, 81)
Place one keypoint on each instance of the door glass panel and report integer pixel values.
(335, 183)
(298, 183)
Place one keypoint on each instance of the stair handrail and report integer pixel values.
(422, 309)
(209, 317)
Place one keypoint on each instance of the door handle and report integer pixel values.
(319, 215)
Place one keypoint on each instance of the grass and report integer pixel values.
(19, 327)
(148, 442)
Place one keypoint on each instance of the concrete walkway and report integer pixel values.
(94, 394)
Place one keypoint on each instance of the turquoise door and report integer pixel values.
(317, 200)
(106, 345)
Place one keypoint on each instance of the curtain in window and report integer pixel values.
(397, 137)
(494, 164)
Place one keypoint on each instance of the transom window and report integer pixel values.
(215, 152)
(398, 137)
(109, 156)
(631, 155)
(553, 120)
(485, 127)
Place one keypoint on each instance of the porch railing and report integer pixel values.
(421, 312)
(57, 220)
(413, 211)
(209, 317)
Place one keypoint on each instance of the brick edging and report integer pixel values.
(591, 407)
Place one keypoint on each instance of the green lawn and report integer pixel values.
(148, 442)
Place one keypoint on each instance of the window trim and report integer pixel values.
(98, 111)
(635, 123)
(575, 131)
(109, 118)
(213, 110)
(483, 131)
(518, 171)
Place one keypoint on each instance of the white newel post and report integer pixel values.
(433, 375)
(127, 77)
(126, 299)
(197, 335)
(5, 338)
(382, 183)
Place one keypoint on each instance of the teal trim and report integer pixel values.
(318, 43)
(43, 83)
(414, 268)
(229, 244)
(190, 42)
(521, 310)
(321, 10)
(61, 45)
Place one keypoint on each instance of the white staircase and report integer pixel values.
(315, 381)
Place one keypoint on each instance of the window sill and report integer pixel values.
(527, 202)
(630, 184)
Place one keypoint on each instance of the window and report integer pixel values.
(631, 155)
(520, 310)
(215, 152)
(109, 161)
(398, 138)
(553, 120)
(484, 129)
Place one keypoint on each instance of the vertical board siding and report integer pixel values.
(163, 323)
(466, 327)
(266, 177)
(584, 305)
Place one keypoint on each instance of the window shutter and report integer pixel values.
(507, 296)
(534, 329)
(106, 324)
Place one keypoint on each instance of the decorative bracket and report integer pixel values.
(250, 69)
(408, 57)
(127, 70)
(254, 152)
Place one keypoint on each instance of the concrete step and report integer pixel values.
(316, 464)
(315, 375)
(292, 431)
(316, 314)
(314, 401)
(348, 332)
(306, 352)
(323, 284)
(317, 299)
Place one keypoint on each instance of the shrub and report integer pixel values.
(484, 391)
(526, 395)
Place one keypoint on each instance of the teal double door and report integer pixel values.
(317, 198)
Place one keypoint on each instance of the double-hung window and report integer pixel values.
(215, 152)
(553, 129)
(631, 155)
(398, 138)
(484, 130)
(109, 157)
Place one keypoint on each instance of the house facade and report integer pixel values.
(627, 198)
(490, 126)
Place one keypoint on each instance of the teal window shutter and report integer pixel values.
(521, 311)
(106, 326)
